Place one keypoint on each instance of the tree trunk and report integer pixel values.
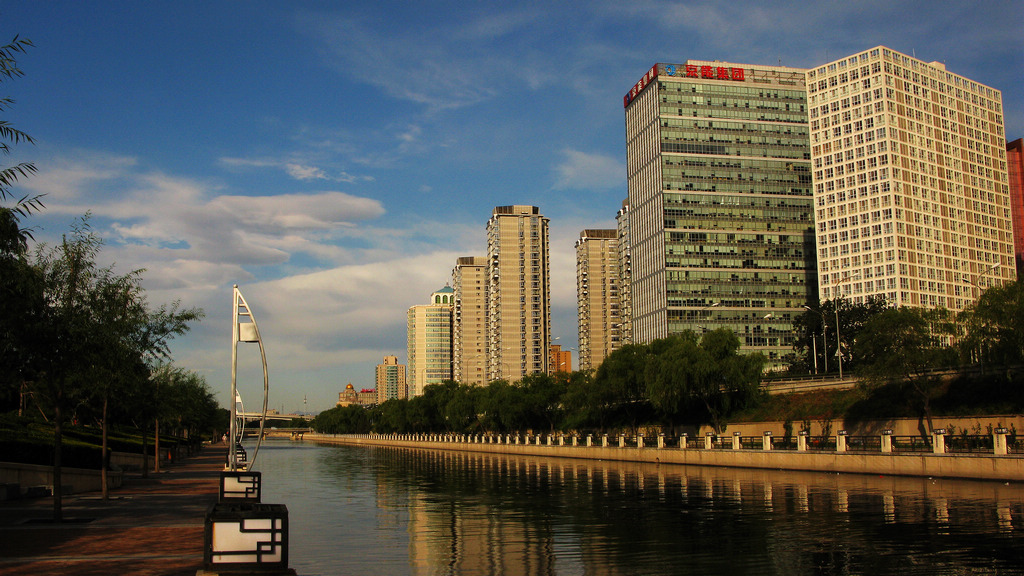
(58, 432)
(145, 453)
(156, 447)
(104, 458)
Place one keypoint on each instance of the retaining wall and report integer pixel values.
(974, 466)
(74, 480)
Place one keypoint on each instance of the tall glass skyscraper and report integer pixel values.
(721, 227)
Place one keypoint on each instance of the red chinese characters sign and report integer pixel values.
(639, 86)
(687, 71)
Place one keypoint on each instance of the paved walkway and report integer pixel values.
(149, 526)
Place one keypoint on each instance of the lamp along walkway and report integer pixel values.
(149, 526)
(841, 454)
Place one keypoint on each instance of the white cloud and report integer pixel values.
(580, 170)
(305, 172)
(444, 66)
(302, 171)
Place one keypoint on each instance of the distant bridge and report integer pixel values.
(258, 415)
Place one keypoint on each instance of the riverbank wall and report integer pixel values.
(18, 479)
(1005, 468)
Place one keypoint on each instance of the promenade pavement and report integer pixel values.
(148, 526)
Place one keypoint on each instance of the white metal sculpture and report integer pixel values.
(244, 329)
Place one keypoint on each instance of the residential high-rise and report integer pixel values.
(430, 341)
(625, 274)
(518, 293)
(910, 181)
(390, 380)
(1015, 169)
(559, 360)
(597, 296)
(720, 203)
(469, 321)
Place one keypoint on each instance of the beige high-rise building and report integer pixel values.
(469, 321)
(430, 341)
(910, 181)
(390, 380)
(625, 274)
(518, 293)
(597, 296)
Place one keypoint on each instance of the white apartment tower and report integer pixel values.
(910, 181)
(597, 296)
(430, 341)
(518, 293)
(469, 321)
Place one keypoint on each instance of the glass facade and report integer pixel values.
(721, 204)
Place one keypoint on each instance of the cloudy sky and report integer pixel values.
(333, 159)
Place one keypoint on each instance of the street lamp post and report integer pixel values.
(708, 309)
(978, 278)
(824, 339)
(839, 344)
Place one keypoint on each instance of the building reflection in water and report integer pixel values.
(471, 513)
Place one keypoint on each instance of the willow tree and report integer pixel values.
(705, 379)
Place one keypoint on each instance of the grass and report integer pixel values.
(30, 441)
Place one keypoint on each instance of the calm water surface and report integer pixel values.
(361, 510)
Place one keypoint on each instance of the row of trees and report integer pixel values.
(684, 380)
(990, 332)
(670, 382)
(79, 341)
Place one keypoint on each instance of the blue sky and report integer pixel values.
(334, 158)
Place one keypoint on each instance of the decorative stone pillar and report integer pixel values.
(709, 440)
(766, 440)
(590, 440)
(841, 441)
(939, 441)
(801, 441)
(684, 438)
(661, 440)
(604, 440)
(575, 440)
(639, 440)
(622, 440)
(999, 442)
(538, 439)
(736, 443)
(887, 441)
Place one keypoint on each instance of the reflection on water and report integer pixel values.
(360, 510)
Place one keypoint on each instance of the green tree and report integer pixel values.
(620, 387)
(706, 379)
(10, 136)
(18, 282)
(671, 375)
(543, 395)
(994, 326)
(580, 402)
(817, 329)
(899, 346)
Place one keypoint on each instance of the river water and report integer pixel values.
(364, 510)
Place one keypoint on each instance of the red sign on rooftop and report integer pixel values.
(686, 71)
